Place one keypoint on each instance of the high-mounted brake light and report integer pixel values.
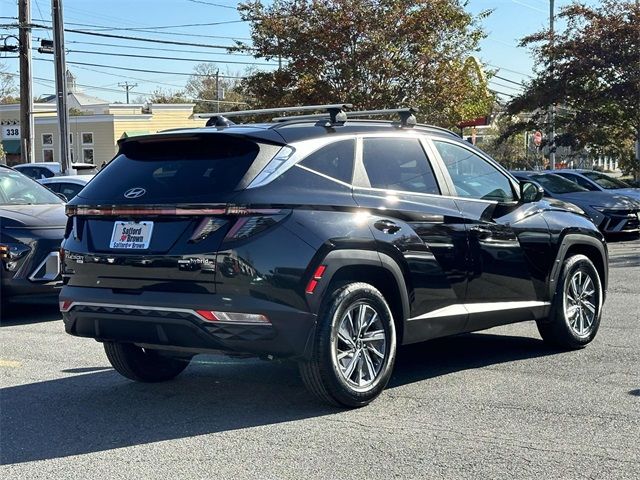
(317, 276)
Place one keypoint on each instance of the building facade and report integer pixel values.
(95, 126)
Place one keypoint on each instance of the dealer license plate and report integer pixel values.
(131, 235)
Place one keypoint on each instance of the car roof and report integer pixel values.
(296, 130)
(83, 179)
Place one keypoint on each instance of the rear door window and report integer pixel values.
(398, 164)
(189, 169)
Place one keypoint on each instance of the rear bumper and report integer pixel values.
(151, 320)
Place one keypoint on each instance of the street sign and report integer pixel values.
(10, 132)
(537, 138)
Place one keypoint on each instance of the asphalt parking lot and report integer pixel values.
(494, 404)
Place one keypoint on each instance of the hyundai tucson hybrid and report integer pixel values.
(327, 240)
(32, 225)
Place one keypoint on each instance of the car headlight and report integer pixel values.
(10, 253)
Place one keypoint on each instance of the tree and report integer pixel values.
(221, 90)
(513, 152)
(591, 70)
(372, 53)
(164, 96)
(7, 86)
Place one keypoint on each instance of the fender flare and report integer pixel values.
(337, 259)
(569, 240)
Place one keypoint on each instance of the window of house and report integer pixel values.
(47, 139)
(87, 155)
(87, 138)
(71, 138)
(47, 154)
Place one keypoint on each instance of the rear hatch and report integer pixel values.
(156, 216)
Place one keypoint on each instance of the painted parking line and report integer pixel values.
(9, 363)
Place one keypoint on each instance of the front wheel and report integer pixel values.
(141, 364)
(354, 349)
(577, 306)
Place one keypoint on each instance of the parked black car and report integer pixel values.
(599, 182)
(611, 212)
(32, 223)
(328, 240)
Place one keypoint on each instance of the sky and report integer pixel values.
(510, 21)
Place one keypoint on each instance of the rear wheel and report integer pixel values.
(141, 364)
(355, 347)
(577, 306)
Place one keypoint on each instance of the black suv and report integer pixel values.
(327, 239)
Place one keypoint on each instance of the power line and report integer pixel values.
(143, 70)
(200, 60)
(156, 49)
(213, 4)
(508, 80)
(510, 71)
(138, 39)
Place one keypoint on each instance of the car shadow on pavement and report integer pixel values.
(22, 314)
(96, 410)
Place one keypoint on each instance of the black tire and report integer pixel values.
(143, 365)
(557, 330)
(322, 373)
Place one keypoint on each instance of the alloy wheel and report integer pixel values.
(581, 303)
(359, 351)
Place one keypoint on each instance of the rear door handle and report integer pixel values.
(386, 226)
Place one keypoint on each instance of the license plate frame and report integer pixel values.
(131, 235)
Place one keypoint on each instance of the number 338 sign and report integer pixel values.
(10, 131)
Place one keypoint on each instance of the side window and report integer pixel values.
(54, 187)
(70, 190)
(579, 180)
(334, 160)
(398, 164)
(472, 176)
(45, 173)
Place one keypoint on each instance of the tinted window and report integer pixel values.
(398, 164)
(472, 176)
(583, 182)
(17, 189)
(334, 160)
(605, 181)
(191, 169)
(557, 184)
(69, 190)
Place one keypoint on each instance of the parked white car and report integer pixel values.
(40, 170)
(69, 186)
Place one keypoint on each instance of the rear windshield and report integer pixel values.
(191, 169)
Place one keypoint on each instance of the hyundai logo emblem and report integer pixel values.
(135, 192)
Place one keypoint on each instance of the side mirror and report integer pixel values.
(530, 192)
(62, 197)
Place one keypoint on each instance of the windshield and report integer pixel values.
(605, 181)
(17, 189)
(557, 184)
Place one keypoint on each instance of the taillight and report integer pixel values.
(233, 317)
(317, 276)
(65, 305)
(206, 227)
(253, 221)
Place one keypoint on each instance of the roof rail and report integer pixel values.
(407, 115)
(335, 111)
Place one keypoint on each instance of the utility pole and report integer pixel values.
(26, 93)
(552, 108)
(128, 86)
(61, 86)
